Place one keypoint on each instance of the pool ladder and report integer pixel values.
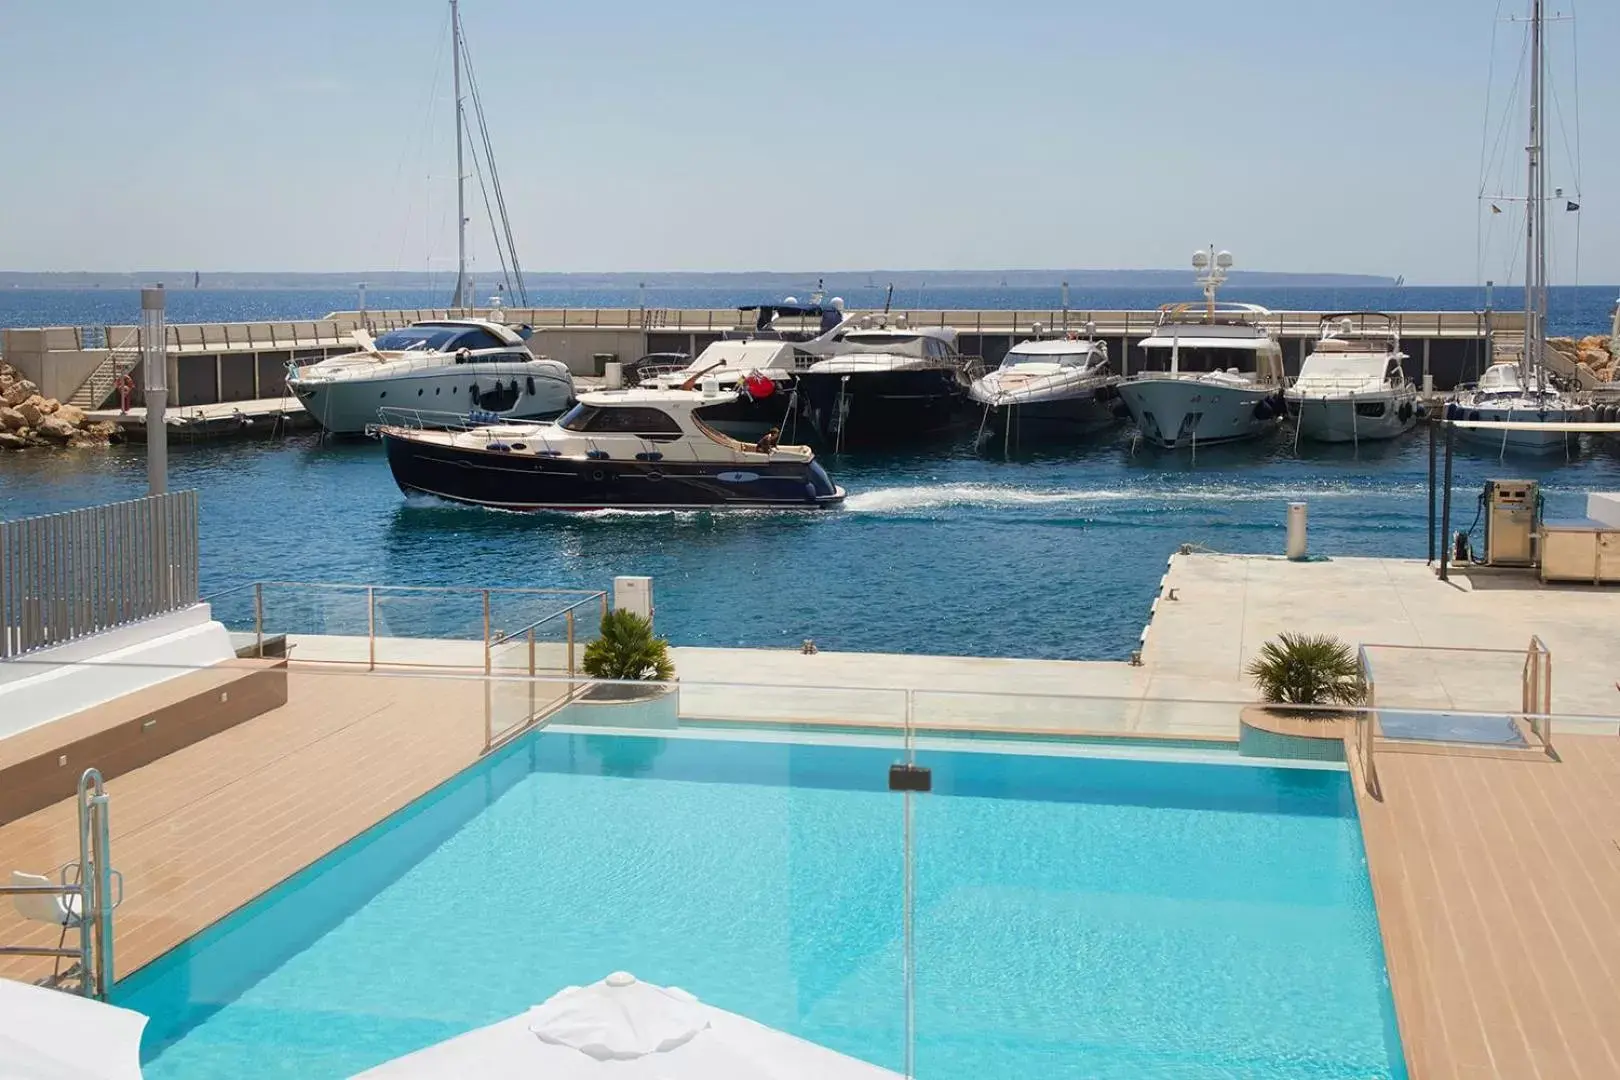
(85, 898)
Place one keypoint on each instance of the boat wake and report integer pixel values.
(900, 500)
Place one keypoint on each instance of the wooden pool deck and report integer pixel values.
(1498, 889)
(201, 832)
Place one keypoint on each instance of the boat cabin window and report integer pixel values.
(1067, 360)
(479, 339)
(619, 419)
(1200, 360)
(417, 339)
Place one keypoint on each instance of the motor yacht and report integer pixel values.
(1061, 386)
(1353, 387)
(1212, 374)
(445, 367)
(642, 448)
(881, 380)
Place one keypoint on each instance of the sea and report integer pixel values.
(1055, 551)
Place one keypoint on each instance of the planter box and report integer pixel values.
(628, 707)
(1278, 732)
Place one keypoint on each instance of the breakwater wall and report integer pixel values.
(222, 362)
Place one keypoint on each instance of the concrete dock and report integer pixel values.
(259, 416)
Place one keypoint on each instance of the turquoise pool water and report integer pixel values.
(1095, 917)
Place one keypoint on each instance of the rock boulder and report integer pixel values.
(57, 429)
(30, 412)
(10, 440)
(18, 392)
(11, 419)
(71, 413)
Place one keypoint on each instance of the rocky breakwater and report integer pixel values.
(1596, 353)
(29, 420)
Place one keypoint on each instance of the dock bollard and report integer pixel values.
(1296, 531)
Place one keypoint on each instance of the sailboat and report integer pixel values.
(444, 372)
(1519, 391)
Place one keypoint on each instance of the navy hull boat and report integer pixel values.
(641, 449)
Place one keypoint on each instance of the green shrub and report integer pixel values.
(1308, 669)
(627, 649)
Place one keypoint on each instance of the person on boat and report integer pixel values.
(768, 441)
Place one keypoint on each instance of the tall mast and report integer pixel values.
(1535, 247)
(461, 172)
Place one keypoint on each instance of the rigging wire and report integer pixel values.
(416, 148)
(494, 175)
(500, 252)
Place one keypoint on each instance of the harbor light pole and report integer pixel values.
(155, 359)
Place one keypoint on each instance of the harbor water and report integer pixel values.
(939, 549)
(1056, 553)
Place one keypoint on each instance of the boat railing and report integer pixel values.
(438, 420)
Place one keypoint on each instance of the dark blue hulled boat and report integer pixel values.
(644, 449)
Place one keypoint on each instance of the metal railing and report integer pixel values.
(1537, 701)
(1367, 724)
(87, 901)
(67, 576)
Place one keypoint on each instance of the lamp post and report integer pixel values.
(155, 357)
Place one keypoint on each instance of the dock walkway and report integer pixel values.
(1497, 882)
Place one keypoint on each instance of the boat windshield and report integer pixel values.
(417, 339)
(1066, 360)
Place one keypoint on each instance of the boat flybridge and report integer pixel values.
(1053, 386)
(446, 366)
(1353, 386)
(640, 448)
(1212, 374)
(880, 379)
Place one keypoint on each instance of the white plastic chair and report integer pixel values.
(53, 908)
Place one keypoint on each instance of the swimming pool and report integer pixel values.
(1075, 916)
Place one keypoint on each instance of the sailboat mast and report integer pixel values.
(461, 171)
(1535, 247)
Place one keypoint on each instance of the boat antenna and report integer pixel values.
(888, 298)
(1212, 267)
(461, 171)
(1535, 218)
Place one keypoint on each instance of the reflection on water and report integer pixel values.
(1055, 551)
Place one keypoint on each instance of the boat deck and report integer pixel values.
(1498, 889)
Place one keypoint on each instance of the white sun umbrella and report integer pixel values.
(53, 1035)
(623, 1028)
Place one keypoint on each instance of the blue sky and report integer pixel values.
(1302, 135)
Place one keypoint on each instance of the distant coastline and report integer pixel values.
(771, 281)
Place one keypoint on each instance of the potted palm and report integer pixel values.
(1302, 670)
(627, 651)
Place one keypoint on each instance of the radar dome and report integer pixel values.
(836, 303)
(1224, 260)
(1200, 260)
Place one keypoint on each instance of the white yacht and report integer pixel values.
(1504, 393)
(1212, 374)
(882, 380)
(1054, 386)
(1352, 386)
(449, 367)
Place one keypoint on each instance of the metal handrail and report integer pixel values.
(94, 890)
(1366, 721)
(1536, 698)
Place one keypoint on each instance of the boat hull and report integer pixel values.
(1519, 440)
(1175, 413)
(880, 406)
(1075, 414)
(509, 391)
(1334, 419)
(509, 481)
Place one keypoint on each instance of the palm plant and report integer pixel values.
(1308, 669)
(627, 649)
